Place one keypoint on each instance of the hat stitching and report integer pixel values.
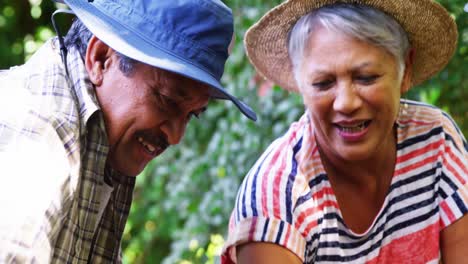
(148, 41)
(150, 20)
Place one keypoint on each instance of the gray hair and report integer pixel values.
(359, 21)
(79, 35)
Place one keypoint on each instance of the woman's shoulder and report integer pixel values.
(414, 113)
(419, 121)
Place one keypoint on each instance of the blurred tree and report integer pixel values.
(184, 198)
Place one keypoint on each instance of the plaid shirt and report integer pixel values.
(53, 150)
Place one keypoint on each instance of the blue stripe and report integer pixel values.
(312, 183)
(449, 182)
(303, 199)
(442, 194)
(418, 103)
(317, 180)
(413, 179)
(457, 129)
(291, 179)
(449, 138)
(421, 138)
(461, 205)
(389, 217)
(265, 229)
(254, 189)
(280, 233)
(337, 258)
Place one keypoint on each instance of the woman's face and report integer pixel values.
(352, 90)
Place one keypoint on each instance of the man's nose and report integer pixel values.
(174, 130)
(347, 98)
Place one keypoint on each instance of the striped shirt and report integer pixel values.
(53, 150)
(287, 199)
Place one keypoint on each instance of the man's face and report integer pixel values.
(145, 112)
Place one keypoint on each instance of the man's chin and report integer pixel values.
(130, 171)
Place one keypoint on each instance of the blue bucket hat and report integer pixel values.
(187, 37)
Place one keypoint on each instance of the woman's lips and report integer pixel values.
(353, 131)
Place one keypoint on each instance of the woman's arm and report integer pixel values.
(265, 253)
(454, 242)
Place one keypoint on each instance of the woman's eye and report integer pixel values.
(367, 79)
(322, 85)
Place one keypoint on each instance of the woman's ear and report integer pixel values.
(97, 60)
(407, 80)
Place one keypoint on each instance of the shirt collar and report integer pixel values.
(78, 78)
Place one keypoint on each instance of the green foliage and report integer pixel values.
(183, 199)
(449, 89)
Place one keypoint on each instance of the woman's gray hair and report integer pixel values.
(79, 35)
(358, 21)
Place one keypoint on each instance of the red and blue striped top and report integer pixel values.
(287, 199)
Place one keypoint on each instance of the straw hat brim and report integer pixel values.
(431, 30)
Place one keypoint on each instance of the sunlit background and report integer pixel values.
(183, 200)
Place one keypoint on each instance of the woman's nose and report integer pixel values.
(347, 99)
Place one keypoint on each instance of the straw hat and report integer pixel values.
(431, 30)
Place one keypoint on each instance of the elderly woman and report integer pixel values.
(364, 176)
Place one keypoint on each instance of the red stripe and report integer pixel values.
(276, 189)
(415, 122)
(419, 247)
(454, 172)
(412, 166)
(420, 151)
(225, 259)
(448, 212)
(324, 191)
(311, 211)
(265, 180)
(253, 226)
(309, 227)
(454, 158)
(276, 180)
(286, 238)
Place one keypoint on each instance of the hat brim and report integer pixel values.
(432, 33)
(119, 38)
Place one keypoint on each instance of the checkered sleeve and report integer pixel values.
(34, 167)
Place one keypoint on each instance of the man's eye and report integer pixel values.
(194, 114)
(165, 101)
(197, 113)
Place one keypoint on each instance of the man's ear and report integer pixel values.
(98, 58)
(407, 80)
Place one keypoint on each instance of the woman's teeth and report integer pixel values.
(354, 129)
(150, 148)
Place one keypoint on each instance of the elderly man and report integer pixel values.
(87, 113)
